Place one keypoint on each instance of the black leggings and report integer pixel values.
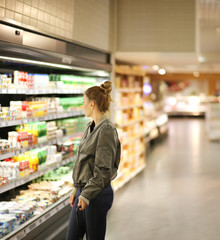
(93, 218)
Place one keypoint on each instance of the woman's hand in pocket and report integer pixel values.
(82, 204)
(72, 199)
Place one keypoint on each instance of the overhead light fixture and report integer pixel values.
(196, 74)
(201, 59)
(22, 60)
(145, 67)
(162, 71)
(147, 88)
(101, 73)
(155, 67)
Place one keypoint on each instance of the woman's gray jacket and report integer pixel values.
(97, 159)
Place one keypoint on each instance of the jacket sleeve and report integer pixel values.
(106, 151)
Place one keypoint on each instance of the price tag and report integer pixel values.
(40, 220)
(31, 227)
(11, 90)
(23, 181)
(4, 90)
(47, 216)
(25, 121)
(54, 211)
(17, 122)
(17, 152)
(19, 236)
(60, 207)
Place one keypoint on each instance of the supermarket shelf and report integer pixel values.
(129, 107)
(150, 138)
(156, 132)
(51, 142)
(159, 122)
(163, 129)
(131, 140)
(38, 221)
(129, 72)
(40, 91)
(67, 137)
(132, 175)
(148, 130)
(137, 155)
(130, 123)
(18, 182)
(129, 90)
(186, 113)
(45, 118)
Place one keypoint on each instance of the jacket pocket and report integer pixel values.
(85, 172)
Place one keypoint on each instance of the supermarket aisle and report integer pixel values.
(177, 196)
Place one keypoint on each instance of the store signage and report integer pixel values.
(66, 60)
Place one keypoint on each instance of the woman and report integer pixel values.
(96, 165)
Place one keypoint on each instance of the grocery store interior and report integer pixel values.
(163, 58)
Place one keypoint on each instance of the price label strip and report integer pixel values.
(19, 236)
(31, 227)
(47, 216)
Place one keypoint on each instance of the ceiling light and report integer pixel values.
(201, 59)
(22, 60)
(196, 74)
(162, 71)
(155, 67)
(101, 74)
(147, 88)
(145, 67)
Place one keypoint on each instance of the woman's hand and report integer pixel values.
(72, 199)
(82, 205)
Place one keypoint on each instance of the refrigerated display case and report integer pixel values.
(41, 93)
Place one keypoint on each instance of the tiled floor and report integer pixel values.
(177, 196)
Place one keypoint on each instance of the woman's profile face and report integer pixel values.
(87, 107)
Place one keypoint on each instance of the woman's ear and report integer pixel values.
(92, 104)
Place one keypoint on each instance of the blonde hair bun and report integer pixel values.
(107, 87)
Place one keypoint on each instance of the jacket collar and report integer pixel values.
(101, 119)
